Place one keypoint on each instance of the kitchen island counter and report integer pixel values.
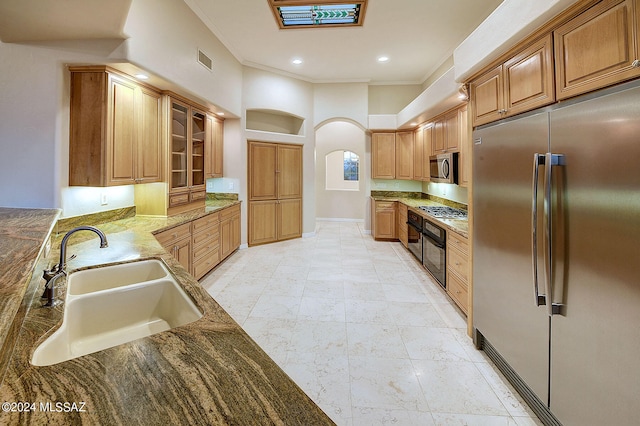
(206, 372)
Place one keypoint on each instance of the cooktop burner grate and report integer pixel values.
(445, 212)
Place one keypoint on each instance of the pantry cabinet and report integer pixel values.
(275, 192)
(115, 129)
(598, 48)
(522, 83)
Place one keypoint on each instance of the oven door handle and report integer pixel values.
(414, 227)
(433, 241)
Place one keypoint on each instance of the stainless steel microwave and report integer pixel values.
(443, 168)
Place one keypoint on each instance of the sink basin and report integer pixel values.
(113, 305)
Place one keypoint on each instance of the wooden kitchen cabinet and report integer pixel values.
(458, 269)
(522, 83)
(201, 244)
(115, 129)
(214, 147)
(446, 132)
(466, 151)
(384, 224)
(418, 151)
(177, 241)
(427, 141)
(403, 232)
(599, 47)
(206, 252)
(229, 230)
(275, 192)
(383, 155)
(404, 155)
(187, 133)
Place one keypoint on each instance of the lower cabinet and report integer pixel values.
(383, 220)
(274, 220)
(200, 245)
(403, 234)
(458, 269)
(177, 241)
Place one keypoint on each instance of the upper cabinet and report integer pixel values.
(404, 155)
(214, 147)
(383, 155)
(587, 47)
(523, 82)
(114, 136)
(598, 47)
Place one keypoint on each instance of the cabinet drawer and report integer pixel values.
(209, 221)
(205, 237)
(458, 291)
(206, 263)
(458, 263)
(230, 212)
(174, 234)
(458, 241)
(178, 199)
(385, 206)
(205, 246)
(197, 195)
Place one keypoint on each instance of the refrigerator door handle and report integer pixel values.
(538, 160)
(551, 161)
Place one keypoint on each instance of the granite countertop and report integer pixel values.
(206, 372)
(459, 226)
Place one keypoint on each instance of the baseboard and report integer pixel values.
(338, 219)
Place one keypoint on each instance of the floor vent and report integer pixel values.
(537, 406)
(205, 60)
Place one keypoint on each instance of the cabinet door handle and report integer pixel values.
(636, 63)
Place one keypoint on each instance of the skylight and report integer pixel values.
(321, 13)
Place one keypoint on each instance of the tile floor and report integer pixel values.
(364, 331)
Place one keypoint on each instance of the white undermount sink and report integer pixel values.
(112, 305)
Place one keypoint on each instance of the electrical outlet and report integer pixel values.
(230, 186)
(103, 199)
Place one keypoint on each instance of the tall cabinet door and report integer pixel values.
(595, 379)
(289, 171)
(289, 218)
(262, 171)
(122, 139)
(149, 157)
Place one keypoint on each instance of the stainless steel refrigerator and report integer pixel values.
(556, 273)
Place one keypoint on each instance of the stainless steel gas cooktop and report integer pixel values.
(445, 212)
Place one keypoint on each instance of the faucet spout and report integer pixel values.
(63, 245)
(54, 274)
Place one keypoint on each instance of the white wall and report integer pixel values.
(165, 36)
(332, 204)
(347, 100)
(34, 121)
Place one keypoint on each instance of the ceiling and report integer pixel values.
(416, 35)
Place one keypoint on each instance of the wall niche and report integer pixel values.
(274, 121)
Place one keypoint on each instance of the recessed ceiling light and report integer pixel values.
(220, 113)
(383, 58)
(142, 76)
(296, 61)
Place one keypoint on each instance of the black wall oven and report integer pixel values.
(434, 251)
(414, 231)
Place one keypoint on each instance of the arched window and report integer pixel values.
(342, 171)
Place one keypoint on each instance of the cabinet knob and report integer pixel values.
(636, 63)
